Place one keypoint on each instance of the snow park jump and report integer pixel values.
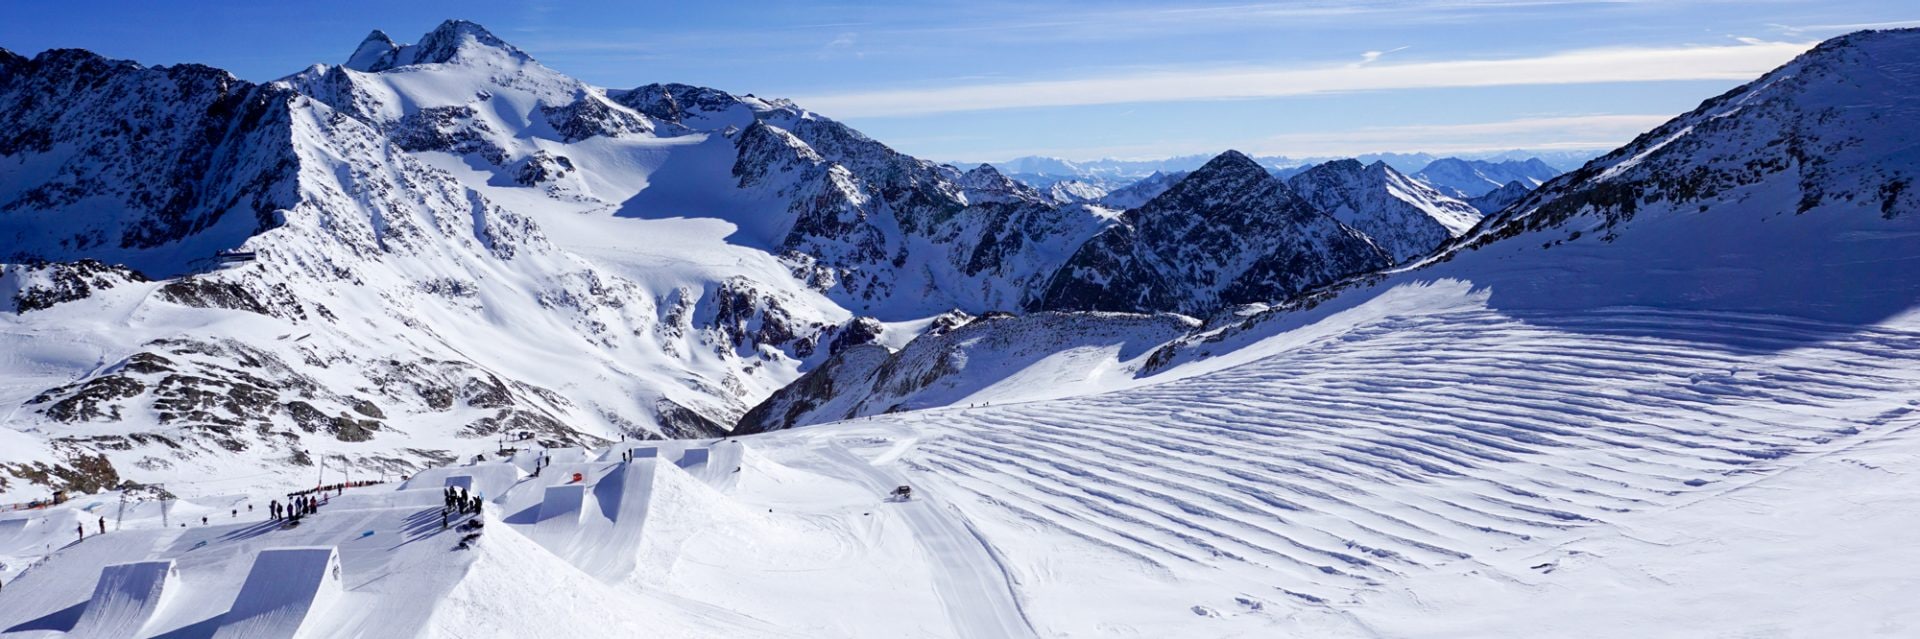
(562, 503)
(285, 587)
(126, 599)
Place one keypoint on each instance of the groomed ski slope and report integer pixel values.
(1398, 469)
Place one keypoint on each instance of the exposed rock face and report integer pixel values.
(879, 231)
(985, 184)
(1402, 216)
(592, 116)
(452, 41)
(1228, 233)
(948, 366)
(33, 287)
(136, 165)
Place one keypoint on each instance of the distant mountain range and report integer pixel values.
(1043, 170)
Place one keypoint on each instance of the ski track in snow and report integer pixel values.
(971, 583)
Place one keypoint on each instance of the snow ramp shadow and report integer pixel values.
(126, 599)
(285, 588)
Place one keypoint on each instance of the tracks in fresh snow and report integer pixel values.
(970, 581)
(1414, 442)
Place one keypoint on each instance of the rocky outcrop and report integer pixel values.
(1228, 233)
(949, 366)
(33, 287)
(1401, 215)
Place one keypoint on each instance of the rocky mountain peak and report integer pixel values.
(1229, 163)
(1228, 233)
(986, 184)
(452, 41)
(1402, 216)
(1230, 175)
(372, 50)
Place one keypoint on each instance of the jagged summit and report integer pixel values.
(1228, 233)
(1230, 162)
(1403, 216)
(452, 41)
(372, 50)
(1226, 175)
(986, 184)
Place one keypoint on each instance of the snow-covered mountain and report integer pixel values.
(1043, 171)
(1474, 178)
(1139, 192)
(441, 242)
(1105, 170)
(1500, 198)
(399, 296)
(1403, 216)
(1227, 233)
(1073, 191)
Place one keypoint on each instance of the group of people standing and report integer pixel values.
(296, 507)
(458, 501)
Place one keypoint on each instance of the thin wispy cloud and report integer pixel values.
(1563, 132)
(1842, 28)
(1720, 62)
(1570, 132)
(1370, 57)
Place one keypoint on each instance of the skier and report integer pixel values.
(82, 529)
(103, 525)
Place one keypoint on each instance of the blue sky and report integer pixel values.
(989, 80)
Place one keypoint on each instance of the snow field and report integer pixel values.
(1300, 489)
